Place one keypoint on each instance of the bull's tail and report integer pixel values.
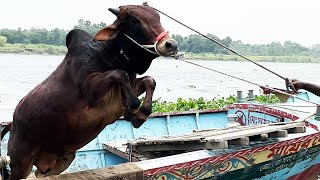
(5, 130)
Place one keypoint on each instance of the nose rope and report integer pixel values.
(146, 47)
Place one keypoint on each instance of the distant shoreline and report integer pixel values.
(285, 59)
(33, 49)
(44, 49)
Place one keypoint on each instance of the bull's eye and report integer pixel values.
(137, 30)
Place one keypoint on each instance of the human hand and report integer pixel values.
(297, 84)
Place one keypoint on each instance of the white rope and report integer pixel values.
(146, 46)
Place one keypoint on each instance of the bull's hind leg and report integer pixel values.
(140, 85)
(62, 164)
(21, 168)
(20, 160)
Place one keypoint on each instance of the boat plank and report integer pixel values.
(278, 134)
(255, 131)
(239, 141)
(215, 139)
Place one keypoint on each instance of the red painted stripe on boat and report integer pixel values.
(225, 157)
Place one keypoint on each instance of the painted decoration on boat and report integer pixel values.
(261, 161)
(252, 118)
(252, 114)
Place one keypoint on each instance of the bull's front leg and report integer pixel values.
(96, 85)
(140, 85)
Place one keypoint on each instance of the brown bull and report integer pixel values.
(93, 86)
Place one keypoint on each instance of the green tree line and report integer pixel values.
(197, 44)
(34, 36)
(43, 36)
(192, 43)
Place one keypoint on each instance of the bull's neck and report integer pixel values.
(139, 59)
(107, 54)
(133, 51)
(122, 53)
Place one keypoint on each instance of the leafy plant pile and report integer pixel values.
(160, 106)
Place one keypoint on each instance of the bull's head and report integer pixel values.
(140, 24)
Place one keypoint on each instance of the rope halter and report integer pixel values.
(148, 47)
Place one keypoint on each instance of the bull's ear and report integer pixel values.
(106, 33)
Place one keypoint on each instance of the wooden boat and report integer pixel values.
(279, 141)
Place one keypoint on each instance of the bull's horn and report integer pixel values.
(115, 11)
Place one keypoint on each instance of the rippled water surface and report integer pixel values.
(21, 73)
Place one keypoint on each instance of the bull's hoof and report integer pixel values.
(136, 122)
(133, 106)
(139, 118)
(128, 116)
(144, 111)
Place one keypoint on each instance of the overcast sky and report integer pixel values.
(251, 21)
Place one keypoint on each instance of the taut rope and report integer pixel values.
(288, 81)
(276, 90)
(217, 42)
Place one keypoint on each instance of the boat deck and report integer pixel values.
(212, 139)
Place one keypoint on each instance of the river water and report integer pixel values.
(21, 73)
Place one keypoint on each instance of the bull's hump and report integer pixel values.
(76, 36)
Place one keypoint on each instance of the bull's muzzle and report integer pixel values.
(172, 45)
(168, 47)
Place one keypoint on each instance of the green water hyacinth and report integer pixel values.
(160, 106)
